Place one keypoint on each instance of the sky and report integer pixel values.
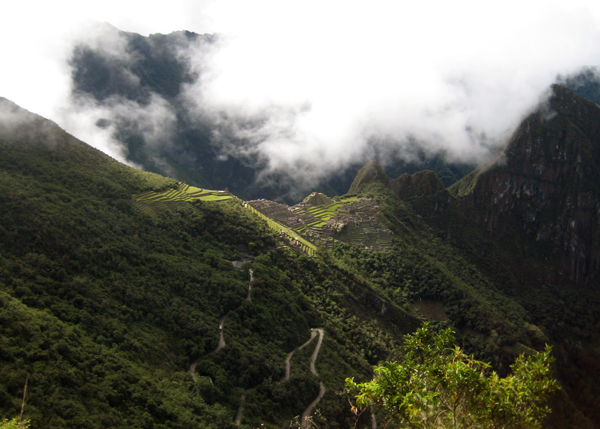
(328, 78)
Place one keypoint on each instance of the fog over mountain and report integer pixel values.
(297, 92)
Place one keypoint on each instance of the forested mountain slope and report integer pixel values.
(104, 308)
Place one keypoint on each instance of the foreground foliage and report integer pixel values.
(436, 385)
(15, 423)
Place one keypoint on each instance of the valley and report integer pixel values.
(120, 304)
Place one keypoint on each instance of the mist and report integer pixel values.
(306, 89)
(456, 77)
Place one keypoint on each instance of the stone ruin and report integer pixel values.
(359, 222)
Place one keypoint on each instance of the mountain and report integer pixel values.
(529, 223)
(147, 76)
(115, 305)
(547, 186)
(128, 299)
(139, 84)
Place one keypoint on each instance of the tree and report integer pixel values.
(15, 423)
(437, 385)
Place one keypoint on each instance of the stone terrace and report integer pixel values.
(358, 223)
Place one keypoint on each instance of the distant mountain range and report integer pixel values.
(155, 66)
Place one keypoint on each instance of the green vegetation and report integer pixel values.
(15, 423)
(103, 307)
(152, 202)
(436, 385)
(500, 303)
(113, 282)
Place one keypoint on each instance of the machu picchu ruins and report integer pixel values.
(321, 220)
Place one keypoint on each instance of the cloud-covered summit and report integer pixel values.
(151, 97)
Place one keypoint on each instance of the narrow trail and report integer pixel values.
(249, 297)
(240, 411)
(313, 370)
(306, 414)
(316, 352)
(313, 333)
(221, 336)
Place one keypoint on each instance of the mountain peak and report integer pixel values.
(317, 199)
(421, 183)
(548, 184)
(371, 172)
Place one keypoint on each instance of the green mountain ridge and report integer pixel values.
(113, 282)
(104, 307)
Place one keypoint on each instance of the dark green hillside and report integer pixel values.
(498, 311)
(104, 307)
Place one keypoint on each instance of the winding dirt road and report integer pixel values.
(240, 411)
(306, 414)
(313, 334)
(221, 326)
(316, 352)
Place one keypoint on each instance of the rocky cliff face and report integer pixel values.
(547, 185)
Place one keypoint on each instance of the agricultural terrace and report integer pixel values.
(152, 202)
(280, 227)
(321, 221)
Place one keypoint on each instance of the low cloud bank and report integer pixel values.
(315, 89)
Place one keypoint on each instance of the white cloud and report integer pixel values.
(323, 78)
(446, 73)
